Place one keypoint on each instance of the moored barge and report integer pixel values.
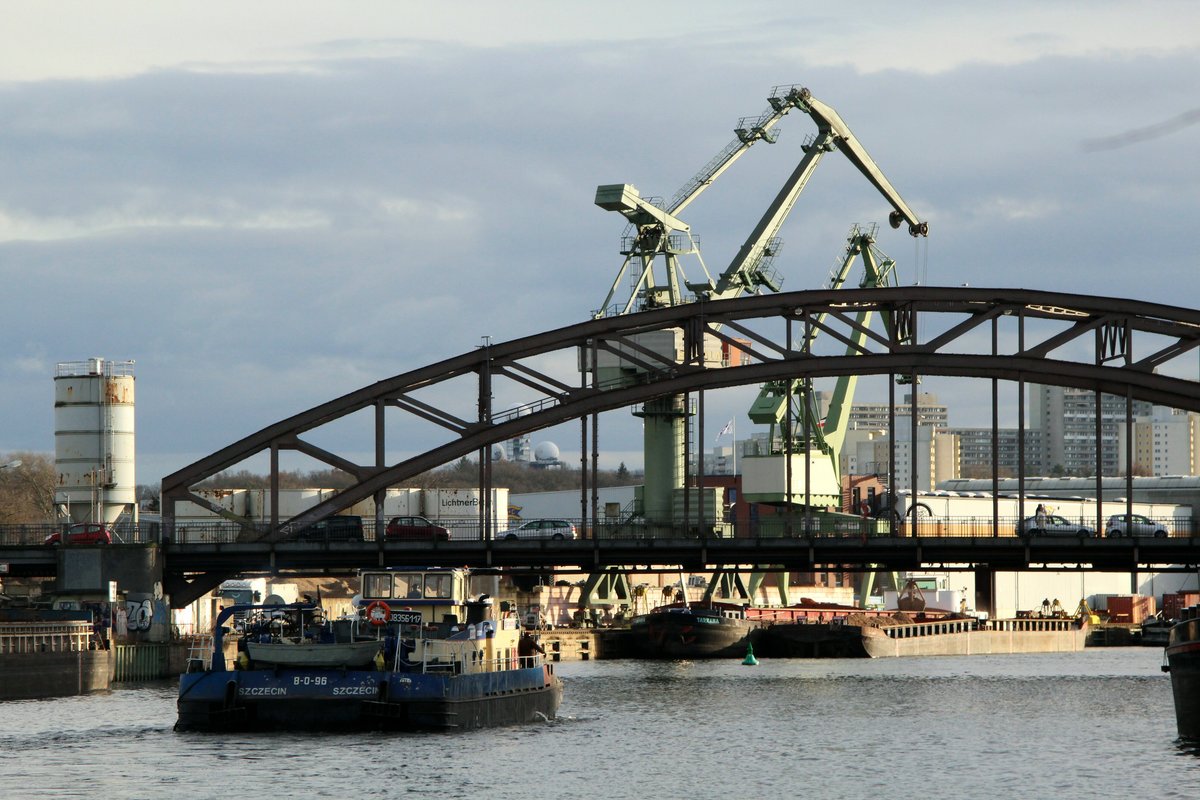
(845, 632)
(685, 630)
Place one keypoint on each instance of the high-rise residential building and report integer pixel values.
(1066, 418)
(874, 416)
(975, 452)
(1164, 443)
(934, 454)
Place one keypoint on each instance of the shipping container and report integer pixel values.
(1130, 608)
(1174, 603)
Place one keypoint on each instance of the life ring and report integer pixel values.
(379, 613)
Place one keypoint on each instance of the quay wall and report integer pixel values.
(54, 673)
(52, 659)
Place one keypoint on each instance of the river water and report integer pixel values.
(1096, 724)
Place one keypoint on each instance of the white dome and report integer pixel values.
(498, 452)
(546, 451)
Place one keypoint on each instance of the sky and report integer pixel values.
(267, 205)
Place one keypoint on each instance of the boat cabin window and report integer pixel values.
(439, 586)
(377, 586)
(408, 585)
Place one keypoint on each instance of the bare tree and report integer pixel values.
(27, 491)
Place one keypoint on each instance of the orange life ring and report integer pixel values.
(379, 613)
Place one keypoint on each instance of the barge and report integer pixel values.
(418, 656)
(863, 634)
(685, 630)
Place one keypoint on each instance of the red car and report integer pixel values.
(415, 528)
(83, 533)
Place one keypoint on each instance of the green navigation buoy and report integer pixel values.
(749, 660)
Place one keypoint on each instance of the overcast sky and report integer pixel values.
(269, 204)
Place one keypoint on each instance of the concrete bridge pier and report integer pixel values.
(88, 573)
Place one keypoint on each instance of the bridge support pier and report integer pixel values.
(985, 590)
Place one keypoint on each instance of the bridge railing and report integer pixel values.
(35, 533)
(468, 529)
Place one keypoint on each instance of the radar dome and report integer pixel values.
(546, 451)
(498, 452)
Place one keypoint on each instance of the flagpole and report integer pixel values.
(735, 472)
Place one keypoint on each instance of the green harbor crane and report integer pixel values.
(656, 237)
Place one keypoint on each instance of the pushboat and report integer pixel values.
(419, 655)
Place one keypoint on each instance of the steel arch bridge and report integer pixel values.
(1116, 346)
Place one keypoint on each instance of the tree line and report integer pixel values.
(27, 491)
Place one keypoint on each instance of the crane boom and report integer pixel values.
(782, 100)
(832, 132)
(798, 431)
(828, 119)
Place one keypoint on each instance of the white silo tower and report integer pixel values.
(94, 440)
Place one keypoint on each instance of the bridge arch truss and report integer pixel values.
(1115, 346)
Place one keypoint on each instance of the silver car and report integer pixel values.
(540, 529)
(1135, 525)
(1053, 525)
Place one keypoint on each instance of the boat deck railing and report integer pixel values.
(942, 627)
(440, 655)
(814, 615)
(45, 637)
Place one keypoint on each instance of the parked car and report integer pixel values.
(540, 529)
(415, 527)
(83, 533)
(1135, 525)
(342, 528)
(1053, 525)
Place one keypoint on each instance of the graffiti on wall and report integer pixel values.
(139, 614)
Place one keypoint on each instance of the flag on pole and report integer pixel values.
(728, 427)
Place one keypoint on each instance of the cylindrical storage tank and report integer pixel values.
(94, 440)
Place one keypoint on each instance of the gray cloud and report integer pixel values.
(262, 242)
